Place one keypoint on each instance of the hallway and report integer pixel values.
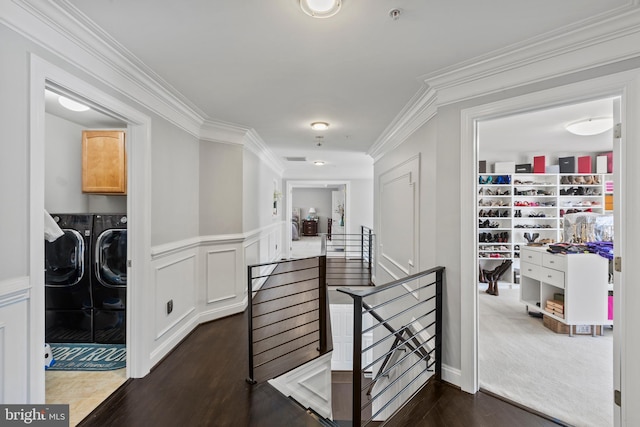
(202, 383)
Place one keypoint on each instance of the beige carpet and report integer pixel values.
(570, 379)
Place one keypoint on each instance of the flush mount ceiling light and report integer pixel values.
(318, 163)
(320, 8)
(72, 105)
(319, 125)
(592, 126)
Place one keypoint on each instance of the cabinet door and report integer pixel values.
(104, 162)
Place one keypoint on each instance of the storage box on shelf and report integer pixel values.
(515, 209)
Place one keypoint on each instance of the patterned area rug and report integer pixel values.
(88, 357)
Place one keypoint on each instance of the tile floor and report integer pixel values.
(82, 390)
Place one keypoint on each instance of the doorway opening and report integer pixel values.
(315, 208)
(85, 313)
(45, 76)
(525, 352)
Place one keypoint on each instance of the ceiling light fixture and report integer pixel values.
(320, 8)
(319, 125)
(72, 105)
(592, 126)
(318, 163)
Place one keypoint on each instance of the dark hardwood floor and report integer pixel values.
(202, 382)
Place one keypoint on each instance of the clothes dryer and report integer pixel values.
(68, 302)
(109, 278)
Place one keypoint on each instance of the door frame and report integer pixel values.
(624, 85)
(311, 184)
(44, 75)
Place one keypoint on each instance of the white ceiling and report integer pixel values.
(544, 131)
(266, 65)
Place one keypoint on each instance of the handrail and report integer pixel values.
(393, 314)
(363, 293)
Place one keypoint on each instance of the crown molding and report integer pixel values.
(254, 143)
(65, 32)
(222, 132)
(610, 37)
(228, 133)
(419, 110)
(601, 40)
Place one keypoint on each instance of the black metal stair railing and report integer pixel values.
(402, 320)
(287, 315)
(350, 258)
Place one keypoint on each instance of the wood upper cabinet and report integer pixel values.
(104, 162)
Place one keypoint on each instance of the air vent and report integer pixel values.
(296, 159)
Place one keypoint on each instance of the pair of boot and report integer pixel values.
(492, 276)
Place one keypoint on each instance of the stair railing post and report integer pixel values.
(370, 252)
(250, 379)
(357, 361)
(322, 301)
(438, 367)
(362, 242)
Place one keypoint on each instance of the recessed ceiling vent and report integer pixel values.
(296, 159)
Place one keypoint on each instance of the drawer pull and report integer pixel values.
(549, 276)
(528, 269)
(552, 262)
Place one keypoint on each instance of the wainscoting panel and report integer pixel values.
(221, 274)
(14, 344)
(399, 212)
(175, 283)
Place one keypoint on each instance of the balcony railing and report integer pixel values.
(400, 324)
(350, 258)
(287, 315)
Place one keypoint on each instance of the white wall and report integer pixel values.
(220, 188)
(361, 193)
(258, 181)
(175, 184)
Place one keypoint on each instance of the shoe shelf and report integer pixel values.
(516, 206)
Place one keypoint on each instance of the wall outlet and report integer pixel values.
(169, 306)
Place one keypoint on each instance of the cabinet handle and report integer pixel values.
(528, 269)
(551, 262)
(549, 276)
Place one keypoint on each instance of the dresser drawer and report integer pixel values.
(552, 277)
(530, 270)
(557, 262)
(533, 257)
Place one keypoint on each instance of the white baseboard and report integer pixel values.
(173, 340)
(451, 375)
(227, 310)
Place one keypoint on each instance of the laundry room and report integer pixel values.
(85, 252)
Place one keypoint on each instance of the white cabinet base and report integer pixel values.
(582, 279)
